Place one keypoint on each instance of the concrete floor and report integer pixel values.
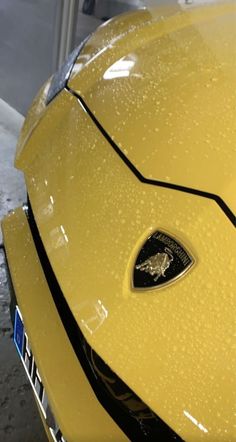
(12, 190)
(19, 419)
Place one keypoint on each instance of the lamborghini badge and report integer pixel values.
(161, 261)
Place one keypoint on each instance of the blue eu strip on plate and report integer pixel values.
(18, 332)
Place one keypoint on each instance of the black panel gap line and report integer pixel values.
(230, 215)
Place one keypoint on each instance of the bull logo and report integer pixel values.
(157, 264)
(161, 261)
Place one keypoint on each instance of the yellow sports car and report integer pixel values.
(123, 259)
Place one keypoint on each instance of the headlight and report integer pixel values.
(61, 77)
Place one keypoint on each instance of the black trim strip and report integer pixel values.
(128, 425)
(136, 172)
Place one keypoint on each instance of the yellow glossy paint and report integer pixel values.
(78, 413)
(163, 85)
(174, 347)
(34, 115)
(172, 116)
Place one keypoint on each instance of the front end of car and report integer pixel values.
(52, 345)
(110, 356)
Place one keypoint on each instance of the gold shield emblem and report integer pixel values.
(161, 261)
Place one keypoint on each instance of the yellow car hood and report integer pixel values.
(174, 347)
(162, 83)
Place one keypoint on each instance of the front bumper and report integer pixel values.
(74, 405)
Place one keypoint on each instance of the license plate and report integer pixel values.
(23, 347)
